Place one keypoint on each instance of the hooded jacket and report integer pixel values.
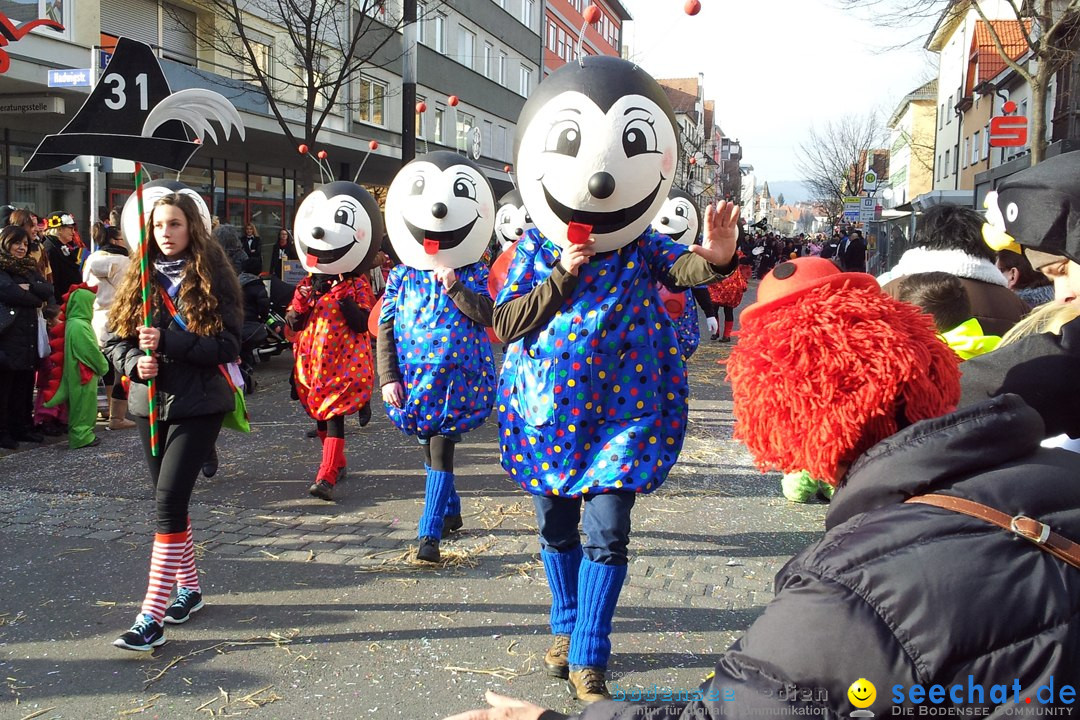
(906, 595)
(19, 342)
(104, 269)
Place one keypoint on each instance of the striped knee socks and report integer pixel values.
(164, 563)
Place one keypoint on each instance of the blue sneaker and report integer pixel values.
(186, 603)
(145, 635)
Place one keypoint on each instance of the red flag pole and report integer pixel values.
(144, 267)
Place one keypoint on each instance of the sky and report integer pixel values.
(778, 67)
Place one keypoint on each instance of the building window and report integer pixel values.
(502, 68)
(371, 102)
(939, 166)
(498, 150)
(552, 35)
(437, 131)
(967, 148)
(525, 80)
(487, 138)
(21, 11)
(956, 158)
(986, 142)
(948, 164)
(439, 30)
(421, 23)
(527, 12)
(466, 47)
(489, 60)
(976, 147)
(420, 123)
(941, 116)
(465, 123)
(949, 114)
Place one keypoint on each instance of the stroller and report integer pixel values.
(274, 340)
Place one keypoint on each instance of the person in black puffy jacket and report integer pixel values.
(189, 348)
(932, 607)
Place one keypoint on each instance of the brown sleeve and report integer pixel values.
(476, 306)
(691, 269)
(386, 356)
(522, 315)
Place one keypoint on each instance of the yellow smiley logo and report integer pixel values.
(862, 693)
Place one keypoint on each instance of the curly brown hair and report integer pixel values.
(198, 296)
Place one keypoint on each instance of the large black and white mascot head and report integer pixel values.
(679, 217)
(595, 152)
(512, 221)
(152, 192)
(338, 229)
(440, 210)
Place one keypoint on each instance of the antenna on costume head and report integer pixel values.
(372, 146)
(510, 172)
(452, 101)
(325, 172)
(592, 16)
(421, 108)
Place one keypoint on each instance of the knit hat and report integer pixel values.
(1039, 208)
(827, 366)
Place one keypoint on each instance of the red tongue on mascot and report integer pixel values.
(431, 246)
(312, 261)
(578, 233)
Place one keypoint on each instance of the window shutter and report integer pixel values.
(135, 19)
(178, 26)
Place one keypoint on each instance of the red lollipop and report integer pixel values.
(692, 7)
(374, 144)
(302, 149)
(591, 14)
(693, 160)
(452, 100)
(506, 169)
(421, 106)
(321, 155)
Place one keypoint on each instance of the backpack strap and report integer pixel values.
(1028, 528)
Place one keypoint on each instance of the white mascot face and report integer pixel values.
(152, 192)
(338, 229)
(679, 218)
(596, 152)
(512, 221)
(440, 210)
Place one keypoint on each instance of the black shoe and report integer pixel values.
(145, 635)
(187, 603)
(363, 415)
(52, 428)
(30, 436)
(725, 339)
(450, 523)
(210, 464)
(428, 551)
(8, 442)
(322, 490)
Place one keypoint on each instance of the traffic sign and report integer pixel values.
(852, 209)
(79, 77)
(870, 180)
(869, 210)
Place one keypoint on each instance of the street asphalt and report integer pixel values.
(316, 610)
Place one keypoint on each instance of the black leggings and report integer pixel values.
(183, 446)
(729, 313)
(439, 453)
(16, 401)
(334, 427)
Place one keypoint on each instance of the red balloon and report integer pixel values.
(591, 14)
(321, 154)
(302, 149)
(373, 319)
(499, 270)
(452, 100)
(693, 160)
(374, 144)
(421, 106)
(692, 7)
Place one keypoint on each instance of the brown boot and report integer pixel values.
(588, 685)
(117, 413)
(555, 660)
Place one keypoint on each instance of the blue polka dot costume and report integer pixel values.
(596, 400)
(444, 357)
(686, 327)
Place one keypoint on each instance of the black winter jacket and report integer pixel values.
(189, 382)
(905, 594)
(64, 261)
(19, 342)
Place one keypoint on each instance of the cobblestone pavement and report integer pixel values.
(317, 610)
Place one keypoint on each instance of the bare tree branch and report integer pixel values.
(833, 159)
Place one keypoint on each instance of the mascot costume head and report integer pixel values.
(512, 221)
(338, 229)
(440, 210)
(679, 217)
(152, 192)
(595, 152)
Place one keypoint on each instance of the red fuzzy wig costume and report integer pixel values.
(827, 366)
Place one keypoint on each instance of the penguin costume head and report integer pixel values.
(1038, 208)
(440, 210)
(595, 152)
(338, 229)
(152, 192)
(512, 220)
(679, 217)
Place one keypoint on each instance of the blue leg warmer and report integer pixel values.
(562, 571)
(598, 594)
(439, 486)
